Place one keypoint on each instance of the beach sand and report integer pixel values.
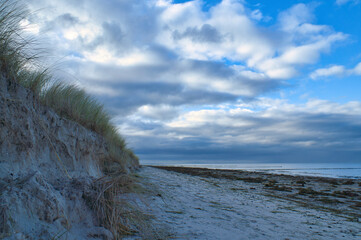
(190, 203)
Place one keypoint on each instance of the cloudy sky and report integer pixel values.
(215, 81)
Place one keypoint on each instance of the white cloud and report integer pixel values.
(177, 54)
(326, 72)
(299, 41)
(357, 69)
(256, 15)
(294, 17)
(173, 35)
(158, 112)
(28, 27)
(337, 70)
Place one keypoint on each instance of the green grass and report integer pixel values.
(19, 63)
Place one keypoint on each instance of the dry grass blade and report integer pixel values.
(117, 207)
(110, 209)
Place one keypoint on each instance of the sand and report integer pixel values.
(211, 204)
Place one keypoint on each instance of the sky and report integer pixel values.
(227, 81)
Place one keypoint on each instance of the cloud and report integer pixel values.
(343, 2)
(278, 54)
(222, 51)
(337, 70)
(161, 112)
(242, 132)
(326, 72)
(206, 33)
(291, 19)
(129, 97)
(257, 15)
(357, 69)
(308, 42)
(65, 20)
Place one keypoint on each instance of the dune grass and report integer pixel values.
(74, 103)
(12, 46)
(19, 63)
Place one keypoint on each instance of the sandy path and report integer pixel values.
(192, 207)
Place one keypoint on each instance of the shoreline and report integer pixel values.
(308, 171)
(339, 195)
(258, 171)
(231, 204)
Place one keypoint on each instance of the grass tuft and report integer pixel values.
(35, 81)
(118, 210)
(73, 103)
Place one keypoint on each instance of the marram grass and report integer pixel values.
(18, 63)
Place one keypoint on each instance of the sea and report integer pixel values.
(349, 170)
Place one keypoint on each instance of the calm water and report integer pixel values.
(324, 170)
